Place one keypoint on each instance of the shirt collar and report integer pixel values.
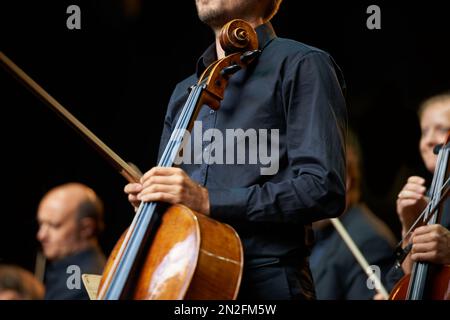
(265, 33)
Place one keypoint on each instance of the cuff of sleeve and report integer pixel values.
(228, 204)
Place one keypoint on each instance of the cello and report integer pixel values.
(427, 280)
(172, 252)
(177, 253)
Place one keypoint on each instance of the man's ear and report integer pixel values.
(87, 228)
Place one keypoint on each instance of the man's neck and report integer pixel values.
(254, 22)
(86, 245)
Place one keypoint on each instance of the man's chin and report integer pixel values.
(214, 19)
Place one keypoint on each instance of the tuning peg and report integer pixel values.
(227, 71)
(250, 55)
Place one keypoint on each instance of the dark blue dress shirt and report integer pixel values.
(57, 274)
(298, 90)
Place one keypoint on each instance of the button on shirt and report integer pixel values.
(296, 91)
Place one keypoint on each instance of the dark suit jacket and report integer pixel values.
(336, 273)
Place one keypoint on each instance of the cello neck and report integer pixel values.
(149, 213)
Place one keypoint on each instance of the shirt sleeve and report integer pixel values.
(312, 96)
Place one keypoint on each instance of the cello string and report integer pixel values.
(145, 214)
(123, 167)
(138, 216)
(181, 127)
(359, 257)
(428, 206)
(430, 212)
(147, 210)
(125, 245)
(165, 161)
(403, 252)
(138, 221)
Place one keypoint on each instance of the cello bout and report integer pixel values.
(190, 257)
(439, 286)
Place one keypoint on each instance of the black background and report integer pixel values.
(116, 75)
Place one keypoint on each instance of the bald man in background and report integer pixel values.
(70, 219)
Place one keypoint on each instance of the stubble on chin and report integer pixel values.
(213, 18)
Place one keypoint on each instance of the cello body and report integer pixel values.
(190, 257)
(439, 285)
